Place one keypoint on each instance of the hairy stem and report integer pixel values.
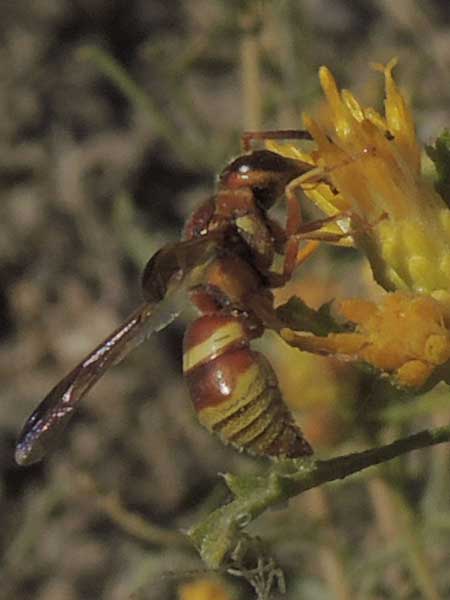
(219, 533)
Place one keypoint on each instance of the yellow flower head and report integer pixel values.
(368, 169)
(203, 589)
(404, 335)
(373, 163)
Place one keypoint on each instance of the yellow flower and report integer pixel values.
(404, 335)
(373, 163)
(203, 589)
(368, 170)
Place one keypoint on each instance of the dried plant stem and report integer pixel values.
(135, 525)
(397, 524)
(220, 532)
(250, 71)
(330, 561)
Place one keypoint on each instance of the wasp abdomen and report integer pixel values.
(235, 390)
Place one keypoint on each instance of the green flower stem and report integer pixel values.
(220, 532)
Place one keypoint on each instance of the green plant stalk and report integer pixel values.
(218, 535)
(398, 521)
(183, 146)
(114, 71)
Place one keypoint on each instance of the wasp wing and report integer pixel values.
(169, 289)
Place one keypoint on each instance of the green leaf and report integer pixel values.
(299, 316)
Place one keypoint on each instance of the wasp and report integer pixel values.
(231, 255)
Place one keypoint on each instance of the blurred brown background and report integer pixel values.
(99, 167)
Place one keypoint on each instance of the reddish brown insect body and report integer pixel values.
(233, 388)
(231, 256)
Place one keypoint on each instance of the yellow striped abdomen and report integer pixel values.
(235, 390)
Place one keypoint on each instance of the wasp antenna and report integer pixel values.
(276, 134)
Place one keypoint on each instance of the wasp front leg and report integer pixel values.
(313, 233)
(234, 389)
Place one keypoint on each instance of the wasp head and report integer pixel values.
(264, 172)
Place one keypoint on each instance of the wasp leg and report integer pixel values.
(313, 233)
